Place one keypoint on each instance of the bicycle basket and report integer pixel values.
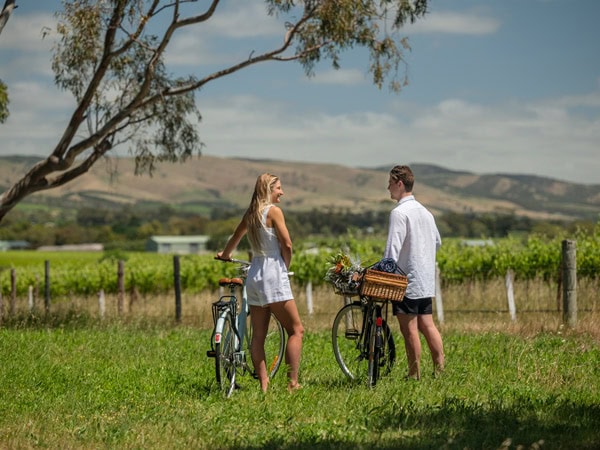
(383, 285)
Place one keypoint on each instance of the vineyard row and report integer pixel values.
(85, 274)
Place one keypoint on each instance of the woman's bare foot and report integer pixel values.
(264, 386)
(293, 386)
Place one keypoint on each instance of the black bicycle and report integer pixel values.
(363, 343)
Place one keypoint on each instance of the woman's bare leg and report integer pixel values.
(287, 313)
(260, 324)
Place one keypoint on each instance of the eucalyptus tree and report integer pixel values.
(110, 54)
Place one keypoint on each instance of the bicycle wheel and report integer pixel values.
(274, 346)
(388, 352)
(225, 357)
(382, 349)
(375, 345)
(348, 340)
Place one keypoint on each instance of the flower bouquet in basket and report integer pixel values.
(344, 274)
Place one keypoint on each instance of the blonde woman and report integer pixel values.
(268, 286)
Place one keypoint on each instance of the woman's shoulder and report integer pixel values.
(274, 208)
(274, 212)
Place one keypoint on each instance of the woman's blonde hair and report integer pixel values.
(261, 198)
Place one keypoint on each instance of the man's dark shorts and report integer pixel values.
(415, 306)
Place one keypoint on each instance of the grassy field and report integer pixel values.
(78, 382)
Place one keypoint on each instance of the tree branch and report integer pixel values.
(79, 113)
(99, 151)
(9, 5)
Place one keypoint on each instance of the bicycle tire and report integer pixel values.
(349, 346)
(348, 340)
(375, 345)
(225, 364)
(387, 355)
(274, 346)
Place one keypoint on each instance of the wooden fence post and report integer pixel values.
(36, 290)
(120, 286)
(177, 283)
(47, 286)
(510, 294)
(439, 304)
(309, 298)
(30, 302)
(13, 292)
(569, 258)
(101, 303)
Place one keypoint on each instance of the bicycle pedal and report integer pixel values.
(211, 353)
(352, 334)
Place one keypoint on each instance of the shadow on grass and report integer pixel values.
(459, 425)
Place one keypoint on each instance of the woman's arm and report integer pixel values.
(283, 235)
(234, 240)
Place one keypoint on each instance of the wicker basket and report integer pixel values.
(383, 285)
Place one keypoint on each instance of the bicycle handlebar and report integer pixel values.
(233, 260)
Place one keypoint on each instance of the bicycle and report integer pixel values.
(232, 334)
(361, 335)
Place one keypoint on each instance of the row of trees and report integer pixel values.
(129, 228)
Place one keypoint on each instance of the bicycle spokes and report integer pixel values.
(362, 342)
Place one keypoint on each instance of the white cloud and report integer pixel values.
(346, 77)
(445, 22)
(511, 138)
(38, 116)
(245, 24)
(27, 41)
(244, 19)
(546, 138)
(29, 32)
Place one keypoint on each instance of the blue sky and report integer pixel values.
(495, 86)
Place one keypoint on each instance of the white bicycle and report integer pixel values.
(232, 334)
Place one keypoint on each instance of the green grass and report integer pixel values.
(83, 384)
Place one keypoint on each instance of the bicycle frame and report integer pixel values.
(361, 335)
(230, 339)
(239, 322)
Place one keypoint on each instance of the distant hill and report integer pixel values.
(204, 182)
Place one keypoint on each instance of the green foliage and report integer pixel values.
(80, 273)
(3, 102)
(458, 261)
(91, 385)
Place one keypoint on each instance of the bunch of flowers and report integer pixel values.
(344, 273)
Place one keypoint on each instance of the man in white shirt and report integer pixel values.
(413, 239)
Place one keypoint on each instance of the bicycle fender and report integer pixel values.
(219, 327)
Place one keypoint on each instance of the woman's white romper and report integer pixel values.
(267, 280)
